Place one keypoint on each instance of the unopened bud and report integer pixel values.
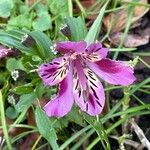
(28, 41)
(66, 30)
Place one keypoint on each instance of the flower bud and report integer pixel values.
(28, 41)
(66, 30)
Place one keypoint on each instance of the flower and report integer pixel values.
(3, 51)
(15, 75)
(77, 72)
(7, 52)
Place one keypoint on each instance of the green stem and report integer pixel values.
(70, 7)
(81, 7)
(36, 142)
(3, 121)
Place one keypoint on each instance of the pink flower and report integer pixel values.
(78, 73)
(3, 51)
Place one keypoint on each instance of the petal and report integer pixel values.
(92, 99)
(114, 72)
(80, 72)
(71, 47)
(62, 103)
(55, 71)
(96, 98)
(95, 52)
(3, 51)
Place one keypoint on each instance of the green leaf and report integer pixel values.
(77, 28)
(11, 113)
(39, 90)
(21, 21)
(98, 126)
(75, 116)
(58, 7)
(23, 89)
(42, 16)
(14, 64)
(23, 9)
(41, 8)
(43, 44)
(95, 28)
(25, 102)
(12, 39)
(45, 128)
(5, 8)
(43, 22)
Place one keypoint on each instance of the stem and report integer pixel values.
(3, 121)
(36, 142)
(70, 7)
(81, 7)
(125, 105)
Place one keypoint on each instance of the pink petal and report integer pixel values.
(3, 51)
(92, 99)
(55, 71)
(62, 103)
(80, 73)
(71, 47)
(96, 52)
(113, 72)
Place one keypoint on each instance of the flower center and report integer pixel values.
(73, 56)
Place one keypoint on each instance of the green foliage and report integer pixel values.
(98, 126)
(23, 89)
(25, 102)
(43, 44)
(45, 127)
(5, 8)
(14, 64)
(11, 113)
(43, 19)
(42, 22)
(20, 21)
(95, 28)
(77, 28)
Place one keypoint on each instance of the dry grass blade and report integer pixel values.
(140, 134)
(128, 142)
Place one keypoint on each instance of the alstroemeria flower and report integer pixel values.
(7, 52)
(3, 51)
(78, 74)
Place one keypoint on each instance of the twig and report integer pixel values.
(140, 134)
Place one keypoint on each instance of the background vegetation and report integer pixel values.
(122, 25)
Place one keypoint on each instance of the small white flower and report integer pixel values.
(11, 99)
(53, 49)
(15, 75)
